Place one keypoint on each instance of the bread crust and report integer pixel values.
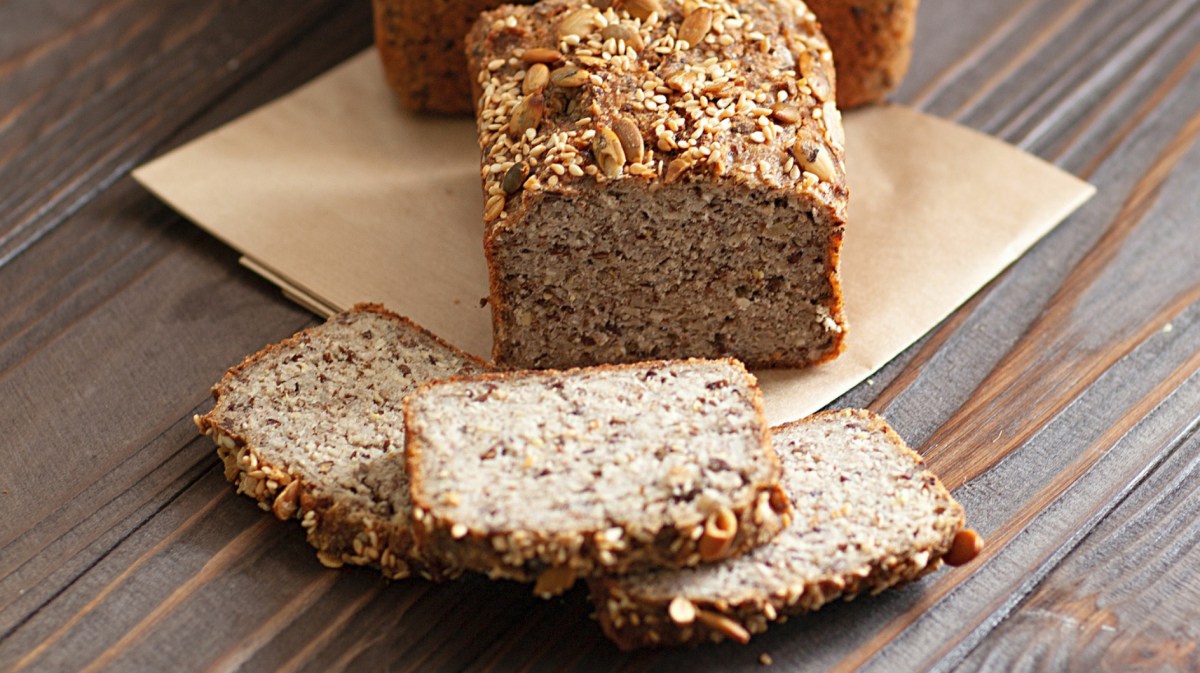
(339, 532)
(533, 555)
(872, 45)
(632, 619)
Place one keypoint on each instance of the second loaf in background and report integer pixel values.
(421, 42)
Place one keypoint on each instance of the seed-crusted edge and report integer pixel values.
(503, 212)
(340, 534)
(556, 559)
(632, 621)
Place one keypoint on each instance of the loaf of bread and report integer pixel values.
(421, 45)
(872, 45)
(313, 428)
(867, 516)
(548, 476)
(662, 180)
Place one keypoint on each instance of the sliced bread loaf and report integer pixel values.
(663, 179)
(553, 475)
(867, 516)
(313, 427)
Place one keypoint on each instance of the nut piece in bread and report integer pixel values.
(674, 189)
(868, 516)
(313, 428)
(549, 476)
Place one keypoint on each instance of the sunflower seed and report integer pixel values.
(676, 169)
(785, 114)
(631, 140)
(527, 115)
(620, 31)
(578, 22)
(696, 26)
(493, 208)
(814, 77)
(610, 156)
(642, 9)
(814, 157)
(569, 77)
(541, 55)
(536, 79)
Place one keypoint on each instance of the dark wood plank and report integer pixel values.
(123, 316)
(80, 113)
(1125, 599)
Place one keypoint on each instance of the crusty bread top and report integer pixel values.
(861, 496)
(627, 98)
(645, 446)
(325, 404)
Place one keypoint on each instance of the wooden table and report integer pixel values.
(1062, 403)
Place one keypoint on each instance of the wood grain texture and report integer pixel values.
(1062, 401)
(119, 320)
(1125, 599)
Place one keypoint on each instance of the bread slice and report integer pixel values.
(663, 179)
(868, 516)
(553, 475)
(313, 427)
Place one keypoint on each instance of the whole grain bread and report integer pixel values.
(421, 44)
(313, 428)
(662, 180)
(867, 516)
(552, 475)
(872, 45)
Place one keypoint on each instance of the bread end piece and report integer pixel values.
(346, 503)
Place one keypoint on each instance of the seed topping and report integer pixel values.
(536, 79)
(528, 114)
(569, 77)
(696, 26)
(642, 9)
(631, 139)
(708, 88)
(541, 55)
(610, 156)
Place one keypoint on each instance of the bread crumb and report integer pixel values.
(765, 659)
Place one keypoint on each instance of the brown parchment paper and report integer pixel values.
(337, 196)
